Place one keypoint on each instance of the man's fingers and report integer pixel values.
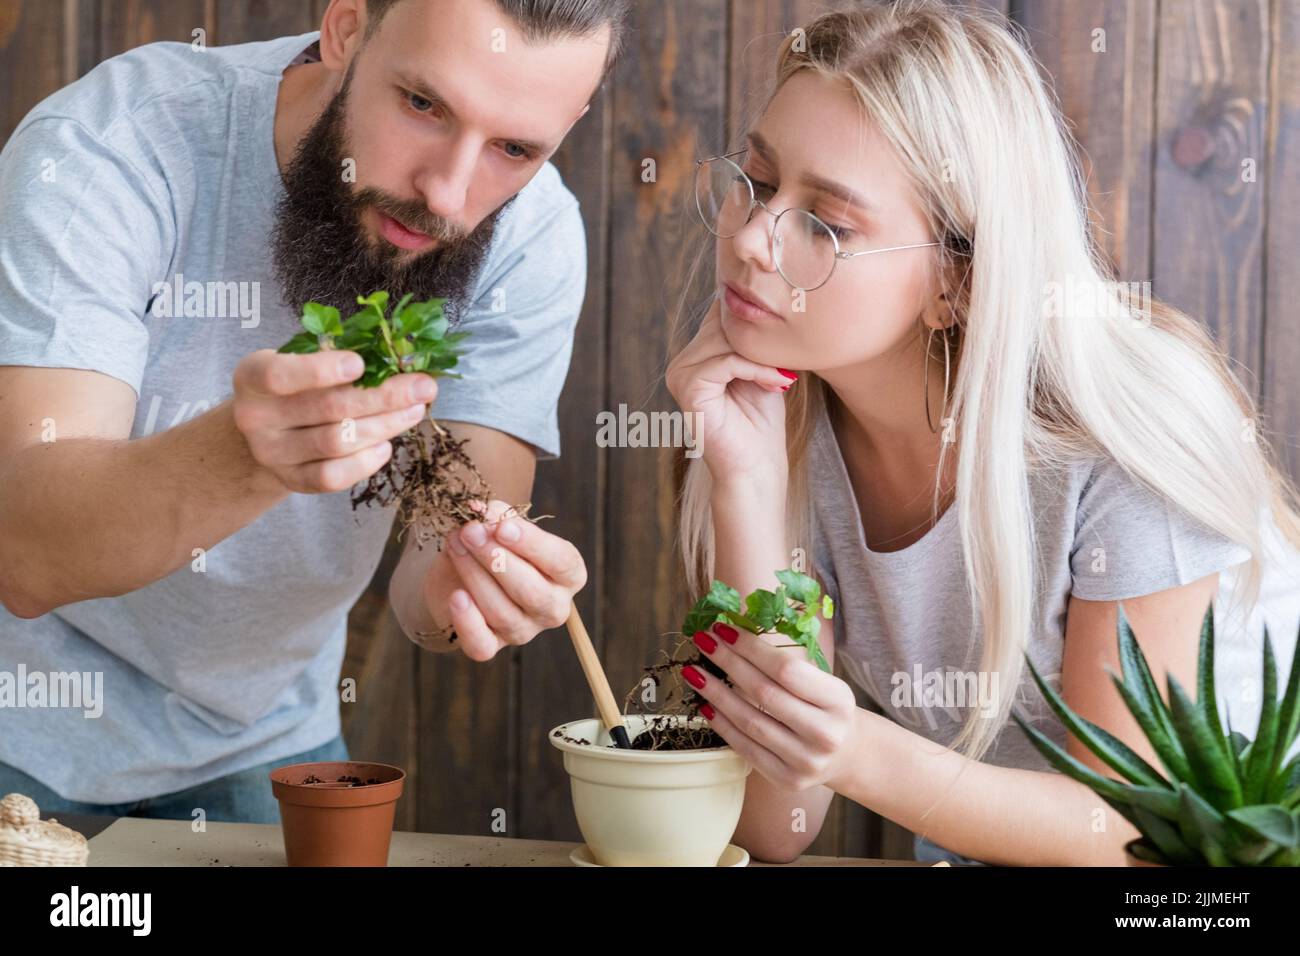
(337, 474)
(323, 406)
(473, 636)
(340, 439)
(499, 612)
(267, 372)
(491, 511)
(539, 598)
(550, 554)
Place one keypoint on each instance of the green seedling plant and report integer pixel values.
(791, 610)
(429, 476)
(415, 339)
(1223, 799)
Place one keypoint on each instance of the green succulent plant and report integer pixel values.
(1224, 800)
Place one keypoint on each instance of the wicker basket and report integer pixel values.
(27, 841)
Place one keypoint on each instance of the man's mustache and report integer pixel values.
(412, 214)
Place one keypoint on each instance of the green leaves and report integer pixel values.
(790, 610)
(721, 602)
(414, 338)
(1227, 801)
(321, 319)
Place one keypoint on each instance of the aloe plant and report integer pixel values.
(1224, 800)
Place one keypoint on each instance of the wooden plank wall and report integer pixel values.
(1190, 120)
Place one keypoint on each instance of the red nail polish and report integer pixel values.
(785, 388)
(787, 373)
(693, 677)
(728, 634)
(705, 643)
(707, 710)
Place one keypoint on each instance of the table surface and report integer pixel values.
(135, 841)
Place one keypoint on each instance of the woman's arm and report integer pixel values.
(749, 529)
(1025, 817)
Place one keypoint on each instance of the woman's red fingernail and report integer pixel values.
(693, 677)
(707, 710)
(728, 634)
(705, 643)
(785, 388)
(787, 373)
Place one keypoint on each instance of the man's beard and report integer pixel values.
(320, 249)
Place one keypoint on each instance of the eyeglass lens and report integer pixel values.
(804, 246)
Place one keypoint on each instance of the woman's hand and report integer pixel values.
(796, 724)
(740, 404)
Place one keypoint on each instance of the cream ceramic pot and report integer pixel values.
(651, 808)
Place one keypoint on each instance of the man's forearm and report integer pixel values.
(83, 518)
(423, 578)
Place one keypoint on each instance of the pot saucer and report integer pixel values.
(732, 856)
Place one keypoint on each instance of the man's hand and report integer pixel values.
(308, 425)
(519, 581)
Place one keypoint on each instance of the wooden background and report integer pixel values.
(1186, 92)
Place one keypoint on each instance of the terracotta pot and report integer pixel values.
(332, 823)
(651, 808)
(1131, 860)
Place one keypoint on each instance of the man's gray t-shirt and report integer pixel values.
(902, 618)
(157, 167)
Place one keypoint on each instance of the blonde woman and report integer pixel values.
(916, 371)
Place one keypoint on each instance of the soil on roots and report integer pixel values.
(433, 483)
(677, 704)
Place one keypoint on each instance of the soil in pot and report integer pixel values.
(337, 813)
(673, 698)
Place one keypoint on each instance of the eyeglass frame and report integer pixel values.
(771, 237)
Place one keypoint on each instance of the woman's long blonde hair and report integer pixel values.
(955, 93)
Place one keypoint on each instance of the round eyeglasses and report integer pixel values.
(804, 248)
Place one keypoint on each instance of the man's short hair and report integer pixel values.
(543, 20)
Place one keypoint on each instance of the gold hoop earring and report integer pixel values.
(925, 381)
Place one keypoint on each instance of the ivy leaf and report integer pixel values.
(301, 344)
(802, 588)
(790, 610)
(720, 600)
(766, 607)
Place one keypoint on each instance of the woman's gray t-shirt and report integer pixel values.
(901, 617)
